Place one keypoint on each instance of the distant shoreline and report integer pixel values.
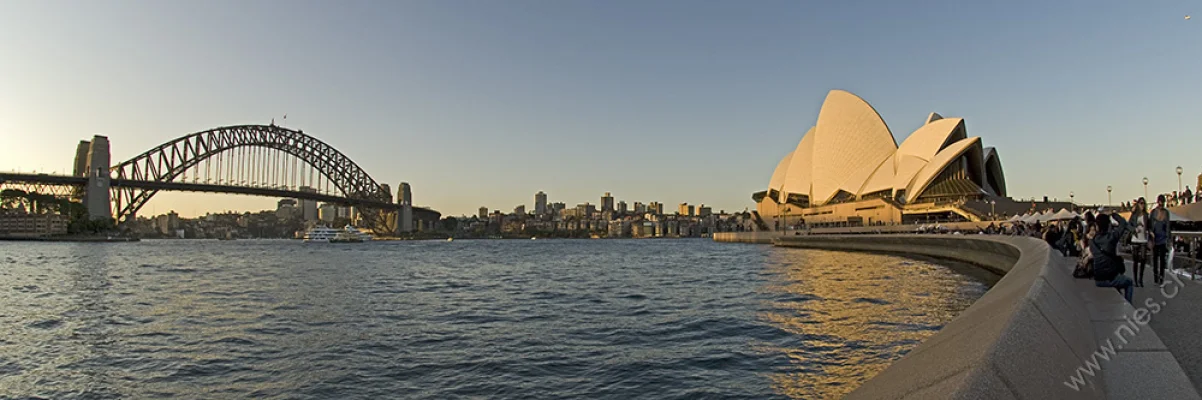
(69, 238)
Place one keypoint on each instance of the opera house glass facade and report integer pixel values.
(849, 171)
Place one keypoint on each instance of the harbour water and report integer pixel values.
(618, 319)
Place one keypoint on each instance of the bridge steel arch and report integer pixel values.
(170, 160)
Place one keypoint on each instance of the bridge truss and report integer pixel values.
(251, 156)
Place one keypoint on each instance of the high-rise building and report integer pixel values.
(683, 209)
(540, 203)
(655, 208)
(703, 211)
(585, 210)
(483, 213)
(621, 207)
(308, 207)
(167, 223)
(607, 202)
(691, 211)
(285, 208)
(520, 210)
(327, 212)
(639, 208)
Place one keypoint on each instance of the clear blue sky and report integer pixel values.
(487, 102)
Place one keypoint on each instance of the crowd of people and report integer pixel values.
(1097, 237)
(1172, 199)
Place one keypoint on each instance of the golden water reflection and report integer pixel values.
(856, 313)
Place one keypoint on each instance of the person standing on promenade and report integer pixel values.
(1161, 238)
(1139, 240)
(1070, 242)
(1108, 267)
(1189, 196)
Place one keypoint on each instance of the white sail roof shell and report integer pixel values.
(851, 149)
(850, 140)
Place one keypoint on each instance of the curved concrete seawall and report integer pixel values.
(1024, 339)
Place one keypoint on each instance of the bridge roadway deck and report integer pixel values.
(418, 212)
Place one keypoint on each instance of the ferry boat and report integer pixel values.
(320, 234)
(349, 234)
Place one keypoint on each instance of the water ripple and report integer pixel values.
(678, 319)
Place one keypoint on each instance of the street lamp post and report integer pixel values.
(777, 220)
(1145, 188)
(1072, 203)
(1179, 170)
(786, 217)
(1109, 202)
(992, 214)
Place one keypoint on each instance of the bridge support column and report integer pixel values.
(405, 219)
(404, 223)
(96, 195)
(81, 167)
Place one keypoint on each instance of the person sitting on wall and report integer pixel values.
(1051, 235)
(1108, 267)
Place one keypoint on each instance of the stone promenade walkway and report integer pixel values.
(1179, 322)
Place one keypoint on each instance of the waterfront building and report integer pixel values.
(520, 211)
(483, 213)
(23, 224)
(619, 229)
(607, 202)
(683, 209)
(642, 229)
(703, 211)
(540, 203)
(848, 170)
(655, 208)
(167, 224)
(672, 228)
(621, 208)
(639, 208)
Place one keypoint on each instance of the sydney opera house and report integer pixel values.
(849, 171)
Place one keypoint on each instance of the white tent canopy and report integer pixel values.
(1063, 214)
(1031, 218)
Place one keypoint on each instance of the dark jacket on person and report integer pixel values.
(1107, 264)
(1160, 227)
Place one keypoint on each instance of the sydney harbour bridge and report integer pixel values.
(256, 160)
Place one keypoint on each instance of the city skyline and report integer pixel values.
(616, 204)
(444, 95)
